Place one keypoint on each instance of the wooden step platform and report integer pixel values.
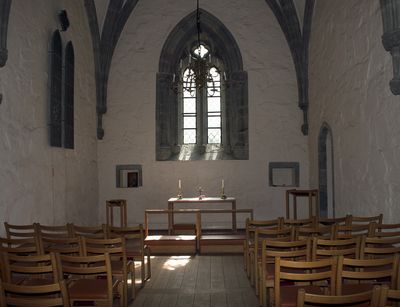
(221, 243)
(172, 244)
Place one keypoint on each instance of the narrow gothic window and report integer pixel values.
(69, 96)
(56, 90)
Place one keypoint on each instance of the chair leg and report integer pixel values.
(142, 271)
(148, 264)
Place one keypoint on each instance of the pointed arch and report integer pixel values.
(222, 44)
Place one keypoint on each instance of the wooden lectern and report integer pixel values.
(302, 193)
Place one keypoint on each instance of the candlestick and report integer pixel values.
(223, 183)
(223, 196)
(179, 184)
(179, 189)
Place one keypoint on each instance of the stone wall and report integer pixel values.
(38, 182)
(274, 118)
(349, 89)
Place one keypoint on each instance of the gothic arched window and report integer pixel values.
(202, 108)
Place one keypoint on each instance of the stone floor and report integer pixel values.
(217, 281)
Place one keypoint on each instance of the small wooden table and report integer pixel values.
(196, 200)
(302, 193)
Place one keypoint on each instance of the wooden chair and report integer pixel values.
(30, 270)
(89, 231)
(352, 220)
(324, 248)
(66, 246)
(136, 249)
(359, 275)
(320, 277)
(371, 298)
(350, 231)
(291, 250)
(286, 233)
(22, 246)
(120, 267)
(90, 278)
(248, 244)
(34, 296)
(388, 296)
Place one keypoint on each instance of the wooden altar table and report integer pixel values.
(196, 200)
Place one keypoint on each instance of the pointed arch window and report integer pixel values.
(201, 118)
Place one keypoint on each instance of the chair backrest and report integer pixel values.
(253, 225)
(323, 248)
(364, 219)
(28, 245)
(87, 266)
(308, 271)
(282, 234)
(18, 267)
(299, 250)
(378, 247)
(20, 231)
(319, 231)
(332, 220)
(371, 298)
(384, 230)
(388, 295)
(350, 231)
(134, 235)
(59, 231)
(34, 296)
(66, 246)
(362, 270)
(89, 231)
(300, 222)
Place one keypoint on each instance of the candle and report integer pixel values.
(223, 184)
(179, 184)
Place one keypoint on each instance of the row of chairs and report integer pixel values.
(60, 280)
(47, 237)
(377, 240)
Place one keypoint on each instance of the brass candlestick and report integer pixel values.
(223, 196)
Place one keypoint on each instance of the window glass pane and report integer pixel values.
(214, 136)
(214, 104)
(201, 51)
(189, 122)
(189, 136)
(215, 74)
(189, 105)
(189, 93)
(214, 122)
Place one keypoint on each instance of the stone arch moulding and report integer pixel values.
(323, 172)
(224, 46)
(5, 6)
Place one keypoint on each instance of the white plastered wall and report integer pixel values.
(349, 89)
(39, 183)
(274, 118)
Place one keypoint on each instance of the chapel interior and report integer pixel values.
(204, 132)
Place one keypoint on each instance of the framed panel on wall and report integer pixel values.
(129, 176)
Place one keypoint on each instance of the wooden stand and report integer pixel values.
(116, 204)
(302, 193)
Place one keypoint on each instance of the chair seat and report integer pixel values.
(289, 294)
(348, 289)
(87, 289)
(37, 281)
